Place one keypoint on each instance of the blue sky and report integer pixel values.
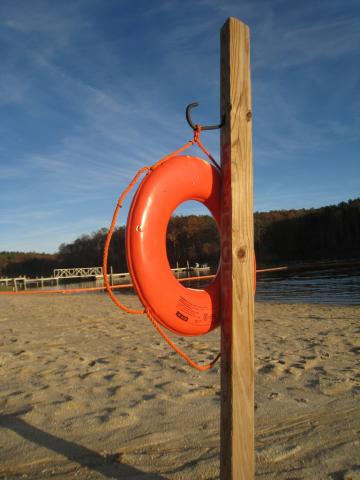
(90, 90)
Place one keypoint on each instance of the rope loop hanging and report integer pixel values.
(147, 170)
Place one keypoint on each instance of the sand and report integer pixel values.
(87, 392)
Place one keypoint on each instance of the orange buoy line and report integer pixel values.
(65, 290)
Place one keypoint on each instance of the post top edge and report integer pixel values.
(234, 21)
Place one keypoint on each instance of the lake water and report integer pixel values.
(339, 287)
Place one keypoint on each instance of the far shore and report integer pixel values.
(302, 265)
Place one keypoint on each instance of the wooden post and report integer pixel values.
(237, 258)
(111, 276)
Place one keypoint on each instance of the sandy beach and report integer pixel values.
(88, 392)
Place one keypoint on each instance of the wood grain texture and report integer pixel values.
(237, 257)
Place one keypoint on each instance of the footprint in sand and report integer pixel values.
(277, 453)
(301, 400)
(300, 365)
(149, 396)
(106, 416)
(274, 396)
(101, 360)
(64, 399)
(16, 393)
(268, 368)
(112, 390)
(162, 385)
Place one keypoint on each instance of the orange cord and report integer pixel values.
(193, 364)
(147, 309)
(65, 290)
(197, 141)
(108, 240)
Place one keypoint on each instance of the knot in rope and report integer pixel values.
(197, 131)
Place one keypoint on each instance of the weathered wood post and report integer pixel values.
(237, 257)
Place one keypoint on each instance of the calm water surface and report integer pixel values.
(339, 287)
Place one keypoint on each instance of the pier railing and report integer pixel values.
(77, 272)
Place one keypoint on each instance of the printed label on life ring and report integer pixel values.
(181, 316)
(193, 313)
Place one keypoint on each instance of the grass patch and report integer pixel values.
(3, 288)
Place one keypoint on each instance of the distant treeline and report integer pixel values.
(331, 232)
(27, 263)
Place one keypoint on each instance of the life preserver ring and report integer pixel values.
(182, 310)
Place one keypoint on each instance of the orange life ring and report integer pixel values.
(182, 310)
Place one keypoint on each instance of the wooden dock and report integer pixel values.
(22, 283)
(88, 273)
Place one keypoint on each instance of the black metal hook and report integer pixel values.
(208, 127)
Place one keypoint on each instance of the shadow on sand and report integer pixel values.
(108, 465)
